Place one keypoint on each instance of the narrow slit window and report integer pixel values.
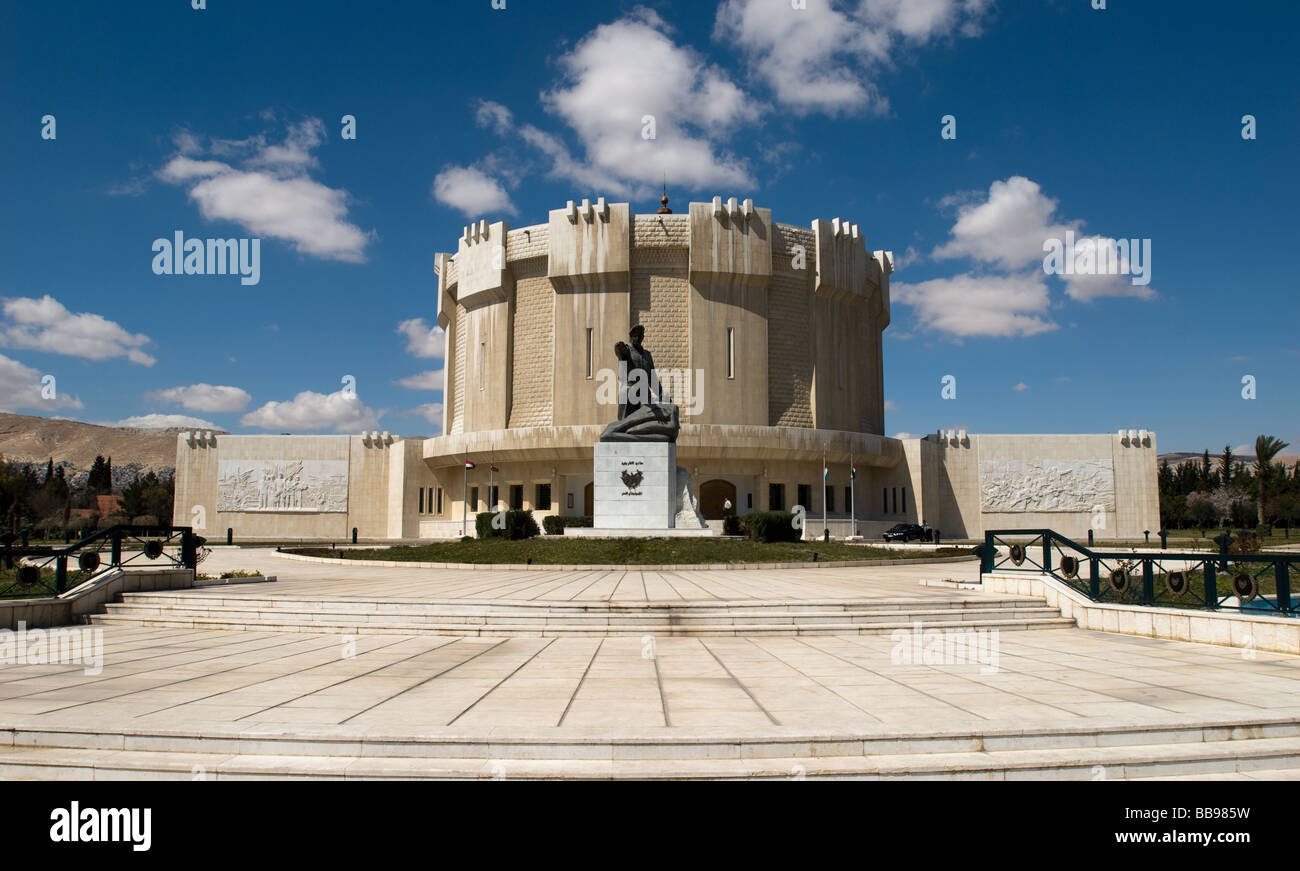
(904, 500)
(482, 363)
(590, 355)
(731, 352)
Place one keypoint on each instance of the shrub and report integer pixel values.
(1244, 541)
(731, 525)
(555, 524)
(770, 526)
(518, 524)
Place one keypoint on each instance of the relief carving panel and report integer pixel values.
(282, 485)
(1046, 485)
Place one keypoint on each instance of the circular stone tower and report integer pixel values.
(767, 335)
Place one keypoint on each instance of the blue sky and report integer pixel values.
(225, 122)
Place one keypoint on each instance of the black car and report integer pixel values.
(907, 532)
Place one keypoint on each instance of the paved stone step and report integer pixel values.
(445, 742)
(640, 617)
(525, 606)
(500, 629)
(1185, 760)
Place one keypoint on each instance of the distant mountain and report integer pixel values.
(74, 445)
(1176, 458)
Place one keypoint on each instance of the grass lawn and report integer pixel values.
(11, 589)
(622, 551)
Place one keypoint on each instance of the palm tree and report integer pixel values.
(1266, 448)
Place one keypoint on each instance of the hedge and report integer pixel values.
(518, 524)
(555, 524)
(770, 526)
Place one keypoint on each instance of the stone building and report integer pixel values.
(766, 335)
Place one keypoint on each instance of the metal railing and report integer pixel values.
(45, 568)
(1259, 583)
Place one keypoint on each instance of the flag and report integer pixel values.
(495, 469)
(853, 472)
(469, 465)
(826, 473)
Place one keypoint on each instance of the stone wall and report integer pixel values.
(533, 359)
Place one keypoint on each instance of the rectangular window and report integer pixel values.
(590, 349)
(904, 500)
(439, 511)
(542, 502)
(775, 497)
(895, 500)
(848, 498)
(473, 499)
(421, 500)
(749, 500)
(830, 498)
(482, 363)
(494, 498)
(516, 497)
(570, 502)
(805, 497)
(731, 352)
(884, 500)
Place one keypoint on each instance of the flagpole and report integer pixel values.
(464, 496)
(853, 497)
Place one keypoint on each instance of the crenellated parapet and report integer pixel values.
(730, 244)
(589, 245)
(482, 274)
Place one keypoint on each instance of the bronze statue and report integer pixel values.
(643, 416)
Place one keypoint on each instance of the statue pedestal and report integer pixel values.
(635, 490)
(636, 493)
(634, 485)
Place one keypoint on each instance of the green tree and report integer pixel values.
(100, 479)
(1204, 513)
(1225, 466)
(1266, 448)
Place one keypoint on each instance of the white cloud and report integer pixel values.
(430, 380)
(1008, 228)
(423, 340)
(164, 421)
(472, 192)
(432, 412)
(204, 397)
(1021, 387)
(890, 406)
(46, 325)
(613, 78)
(1007, 231)
(21, 387)
(493, 115)
(824, 58)
(980, 305)
(341, 411)
(270, 192)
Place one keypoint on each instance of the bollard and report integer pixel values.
(937, 542)
(1164, 539)
(230, 535)
(1147, 533)
(1090, 539)
(354, 535)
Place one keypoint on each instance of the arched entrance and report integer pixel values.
(588, 501)
(712, 496)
